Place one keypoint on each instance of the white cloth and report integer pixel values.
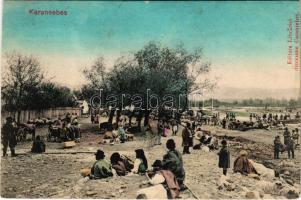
(205, 148)
(212, 141)
(137, 163)
(157, 179)
(154, 192)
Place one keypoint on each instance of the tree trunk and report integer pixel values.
(130, 119)
(146, 117)
(118, 114)
(139, 118)
(110, 120)
(18, 116)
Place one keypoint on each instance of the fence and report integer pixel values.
(35, 114)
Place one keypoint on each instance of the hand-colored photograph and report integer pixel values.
(150, 99)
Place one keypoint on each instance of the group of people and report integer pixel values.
(291, 140)
(60, 130)
(230, 116)
(271, 118)
(120, 133)
(163, 127)
(120, 164)
(241, 163)
(169, 171)
(172, 164)
(205, 138)
(65, 129)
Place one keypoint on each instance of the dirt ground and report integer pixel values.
(56, 174)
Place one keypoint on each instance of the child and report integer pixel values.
(224, 157)
(38, 145)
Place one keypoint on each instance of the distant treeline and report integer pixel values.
(268, 102)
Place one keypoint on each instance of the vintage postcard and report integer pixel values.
(150, 99)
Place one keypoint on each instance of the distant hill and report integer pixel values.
(229, 93)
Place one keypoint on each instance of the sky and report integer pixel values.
(246, 42)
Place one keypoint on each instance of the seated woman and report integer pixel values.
(117, 164)
(38, 145)
(164, 184)
(167, 178)
(140, 163)
(101, 168)
(243, 165)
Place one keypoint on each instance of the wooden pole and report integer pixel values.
(195, 196)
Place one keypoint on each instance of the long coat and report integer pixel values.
(277, 144)
(173, 162)
(224, 158)
(8, 136)
(186, 137)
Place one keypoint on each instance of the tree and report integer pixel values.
(22, 77)
(162, 70)
(96, 74)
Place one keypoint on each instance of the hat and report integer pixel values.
(243, 153)
(100, 153)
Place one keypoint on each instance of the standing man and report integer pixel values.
(92, 118)
(186, 138)
(290, 147)
(174, 127)
(8, 137)
(295, 136)
(277, 147)
(224, 122)
(286, 136)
